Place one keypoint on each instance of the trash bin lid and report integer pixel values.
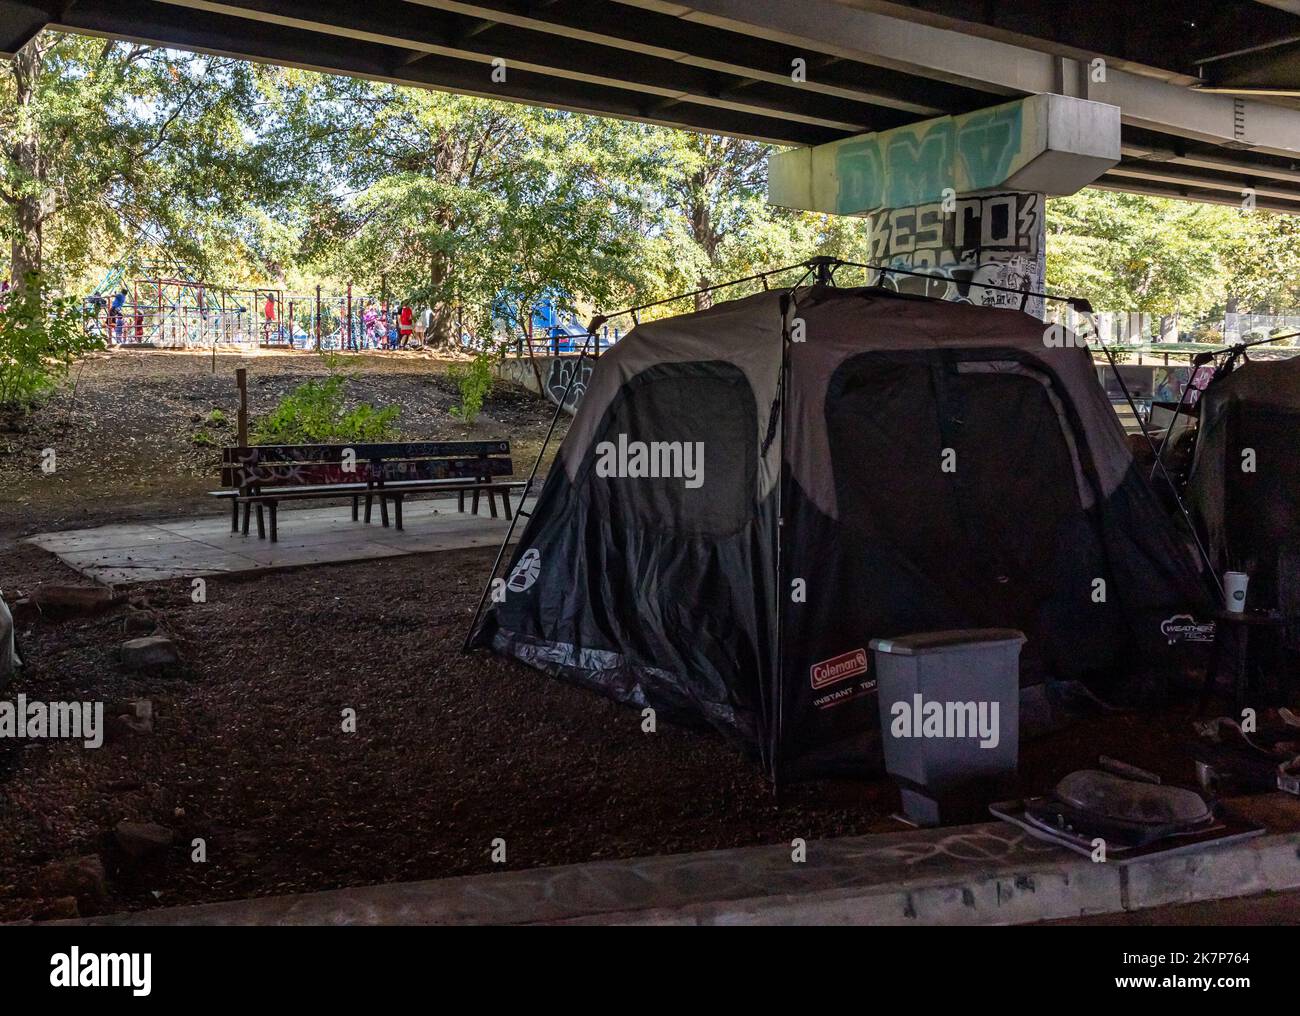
(946, 641)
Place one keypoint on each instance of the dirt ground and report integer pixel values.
(450, 752)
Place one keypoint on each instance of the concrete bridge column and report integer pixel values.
(958, 197)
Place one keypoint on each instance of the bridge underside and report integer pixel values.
(1209, 90)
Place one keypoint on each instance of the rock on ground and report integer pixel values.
(57, 600)
(142, 839)
(81, 878)
(152, 651)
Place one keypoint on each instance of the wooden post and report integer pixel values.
(241, 379)
(351, 343)
(318, 317)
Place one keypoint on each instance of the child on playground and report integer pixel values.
(405, 322)
(368, 318)
(387, 330)
(116, 318)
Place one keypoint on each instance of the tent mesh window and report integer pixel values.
(708, 406)
(966, 486)
(1261, 505)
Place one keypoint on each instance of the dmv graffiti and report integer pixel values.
(914, 164)
(993, 240)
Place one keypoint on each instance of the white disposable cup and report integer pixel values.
(1234, 591)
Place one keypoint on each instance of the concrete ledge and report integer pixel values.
(550, 376)
(984, 874)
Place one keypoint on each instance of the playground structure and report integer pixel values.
(180, 312)
(174, 310)
(551, 330)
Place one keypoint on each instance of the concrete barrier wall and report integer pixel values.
(554, 372)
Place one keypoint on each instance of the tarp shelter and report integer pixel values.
(1244, 486)
(924, 465)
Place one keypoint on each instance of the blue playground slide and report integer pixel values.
(549, 322)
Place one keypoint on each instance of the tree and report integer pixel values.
(468, 205)
(40, 336)
(111, 148)
(727, 229)
(1130, 252)
(1261, 259)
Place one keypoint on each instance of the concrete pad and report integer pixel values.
(272, 555)
(175, 554)
(176, 548)
(992, 873)
(108, 538)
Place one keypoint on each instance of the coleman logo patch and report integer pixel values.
(838, 668)
(526, 571)
(1185, 628)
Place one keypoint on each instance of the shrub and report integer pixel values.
(40, 336)
(314, 413)
(474, 380)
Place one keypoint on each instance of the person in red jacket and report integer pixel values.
(405, 324)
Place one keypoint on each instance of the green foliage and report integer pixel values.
(315, 412)
(1129, 252)
(203, 437)
(474, 379)
(1206, 332)
(114, 152)
(1261, 258)
(40, 336)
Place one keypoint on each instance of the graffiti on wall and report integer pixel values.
(994, 240)
(559, 377)
(913, 164)
(1169, 384)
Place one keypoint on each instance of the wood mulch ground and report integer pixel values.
(450, 751)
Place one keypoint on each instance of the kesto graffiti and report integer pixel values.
(969, 243)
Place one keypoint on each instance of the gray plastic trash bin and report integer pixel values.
(950, 719)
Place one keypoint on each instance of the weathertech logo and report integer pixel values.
(831, 671)
(1185, 628)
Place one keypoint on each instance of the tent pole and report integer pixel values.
(778, 687)
(1196, 364)
(528, 486)
(1173, 488)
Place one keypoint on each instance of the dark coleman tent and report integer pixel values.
(936, 466)
(1244, 487)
